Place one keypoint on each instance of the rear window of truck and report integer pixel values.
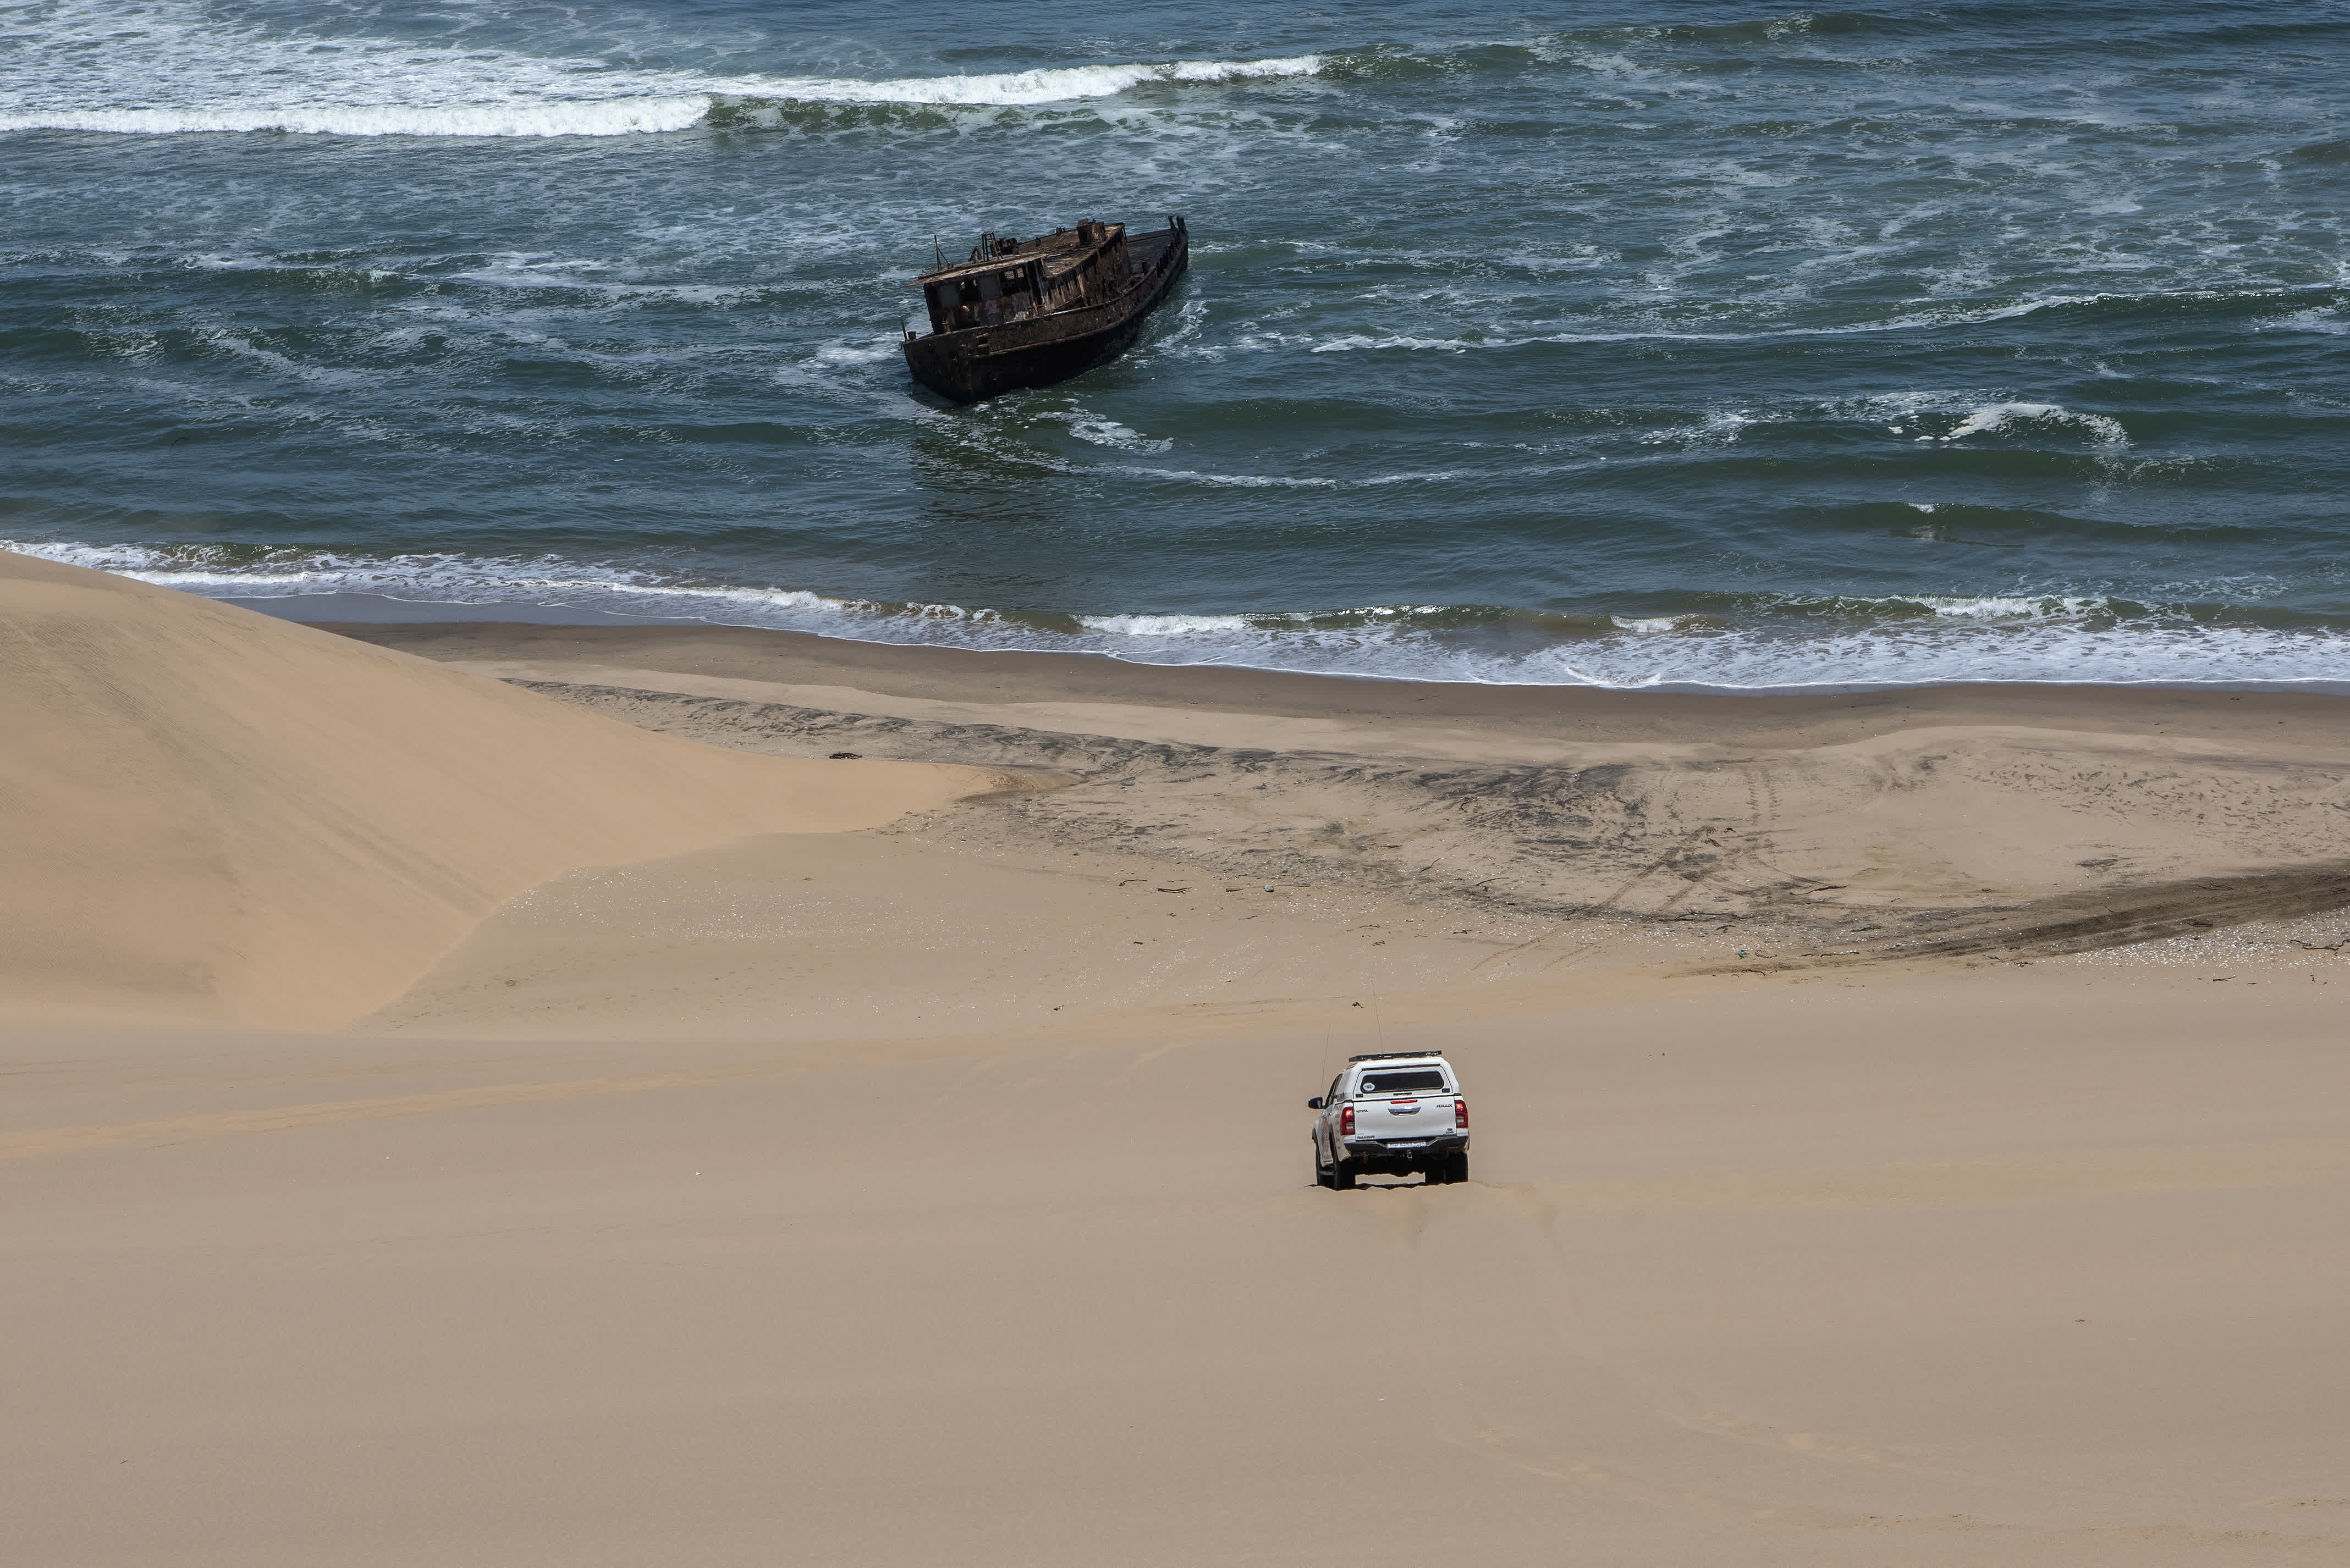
(1404, 1081)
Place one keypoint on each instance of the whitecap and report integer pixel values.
(1164, 625)
(2329, 321)
(615, 116)
(1995, 417)
(2008, 607)
(1100, 431)
(1236, 481)
(170, 67)
(1012, 88)
(1356, 340)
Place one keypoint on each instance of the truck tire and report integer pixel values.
(1342, 1177)
(1457, 1168)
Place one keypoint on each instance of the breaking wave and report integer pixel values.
(167, 68)
(1753, 643)
(587, 118)
(162, 70)
(1064, 85)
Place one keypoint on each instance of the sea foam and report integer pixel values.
(1894, 641)
(624, 117)
(167, 68)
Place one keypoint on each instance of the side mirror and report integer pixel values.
(1314, 1104)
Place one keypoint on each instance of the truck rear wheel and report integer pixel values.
(1342, 1177)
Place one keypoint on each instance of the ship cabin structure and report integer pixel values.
(1008, 280)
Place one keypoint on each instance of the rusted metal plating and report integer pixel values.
(1070, 299)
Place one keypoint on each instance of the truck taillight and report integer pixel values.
(1460, 1114)
(1346, 1121)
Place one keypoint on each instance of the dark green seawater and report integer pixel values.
(1691, 344)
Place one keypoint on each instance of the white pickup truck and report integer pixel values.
(1391, 1114)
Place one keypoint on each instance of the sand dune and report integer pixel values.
(1999, 1268)
(217, 815)
(700, 1187)
(862, 936)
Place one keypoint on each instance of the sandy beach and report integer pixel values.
(502, 1093)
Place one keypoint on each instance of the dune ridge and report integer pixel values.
(217, 815)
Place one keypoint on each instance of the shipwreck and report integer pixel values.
(1027, 313)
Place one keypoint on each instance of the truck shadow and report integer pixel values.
(1363, 1185)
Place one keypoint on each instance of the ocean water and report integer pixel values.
(1689, 343)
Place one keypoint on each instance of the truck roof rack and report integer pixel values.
(1394, 1055)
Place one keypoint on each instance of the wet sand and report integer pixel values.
(2014, 822)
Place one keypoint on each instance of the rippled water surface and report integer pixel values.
(1765, 347)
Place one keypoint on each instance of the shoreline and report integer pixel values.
(1382, 654)
(936, 674)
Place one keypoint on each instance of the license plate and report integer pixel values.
(1421, 1144)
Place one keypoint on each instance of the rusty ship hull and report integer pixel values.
(1038, 343)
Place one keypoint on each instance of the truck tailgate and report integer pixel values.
(1404, 1119)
